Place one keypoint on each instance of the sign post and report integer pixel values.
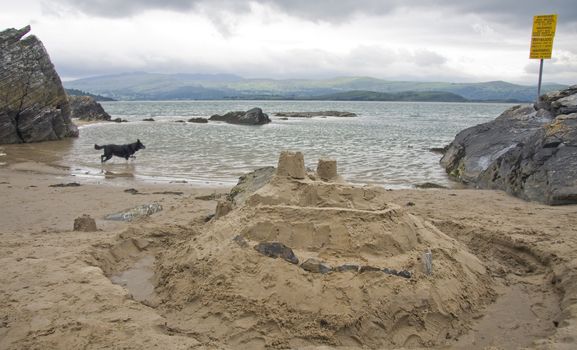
(542, 42)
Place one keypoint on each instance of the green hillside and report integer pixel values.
(155, 86)
(424, 96)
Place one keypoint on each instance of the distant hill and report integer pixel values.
(423, 96)
(155, 86)
(75, 92)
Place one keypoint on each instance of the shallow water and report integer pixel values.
(387, 144)
(138, 279)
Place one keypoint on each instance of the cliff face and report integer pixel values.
(529, 151)
(33, 104)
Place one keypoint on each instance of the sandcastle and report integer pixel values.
(353, 276)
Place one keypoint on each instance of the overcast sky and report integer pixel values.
(424, 40)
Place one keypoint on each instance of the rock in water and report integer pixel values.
(86, 108)
(33, 104)
(277, 250)
(253, 116)
(85, 223)
(528, 151)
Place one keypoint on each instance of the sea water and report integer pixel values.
(388, 143)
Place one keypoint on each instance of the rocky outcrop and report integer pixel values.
(86, 108)
(316, 114)
(253, 116)
(199, 120)
(529, 151)
(33, 104)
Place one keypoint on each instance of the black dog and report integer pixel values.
(124, 151)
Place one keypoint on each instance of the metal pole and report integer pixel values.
(539, 86)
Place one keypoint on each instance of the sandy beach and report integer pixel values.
(504, 269)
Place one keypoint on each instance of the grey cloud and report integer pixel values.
(428, 58)
(511, 11)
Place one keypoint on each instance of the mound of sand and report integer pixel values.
(216, 286)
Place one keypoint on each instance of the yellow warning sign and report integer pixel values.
(543, 34)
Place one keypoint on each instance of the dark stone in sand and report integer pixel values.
(425, 185)
(347, 267)
(253, 116)
(529, 151)
(70, 184)
(33, 104)
(132, 191)
(368, 269)
(402, 273)
(240, 241)
(119, 120)
(316, 266)
(198, 120)
(148, 120)
(136, 212)
(277, 250)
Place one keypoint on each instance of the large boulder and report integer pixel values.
(33, 104)
(253, 116)
(86, 108)
(529, 151)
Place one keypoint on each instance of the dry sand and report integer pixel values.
(504, 270)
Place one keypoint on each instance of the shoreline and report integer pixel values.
(58, 288)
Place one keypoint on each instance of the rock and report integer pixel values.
(402, 273)
(136, 212)
(86, 108)
(119, 120)
(368, 268)
(198, 120)
(327, 169)
(240, 241)
(439, 150)
(148, 120)
(253, 116)
(347, 267)
(316, 266)
(527, 152)
(316, 114)
(277, 250)
(249, 183)
(291, 164)
(69, 184)
(33, 104)
(85, 223)
(223, 207)
(426, 185)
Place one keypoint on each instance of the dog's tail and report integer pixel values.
(98, 147)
